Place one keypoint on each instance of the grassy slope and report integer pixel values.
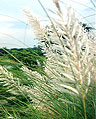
(14, 67)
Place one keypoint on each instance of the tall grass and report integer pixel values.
(67, 87)
(70, 66)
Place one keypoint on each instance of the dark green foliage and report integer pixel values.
(87, 27)
(2, 52)
(33, 58)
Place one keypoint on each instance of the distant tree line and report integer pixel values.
(32, 57)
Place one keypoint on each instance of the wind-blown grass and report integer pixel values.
(70, 67)
(67, 87)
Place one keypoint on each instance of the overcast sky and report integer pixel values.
(13, 29)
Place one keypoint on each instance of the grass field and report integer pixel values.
(59, 85)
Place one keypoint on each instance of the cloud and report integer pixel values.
(6, 18)
(15, 26)
(16, 37)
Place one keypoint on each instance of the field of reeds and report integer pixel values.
(66, 86)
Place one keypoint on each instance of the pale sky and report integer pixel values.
(13, 29)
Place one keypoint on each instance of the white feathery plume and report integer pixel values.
(69, 55)
(34, 24)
